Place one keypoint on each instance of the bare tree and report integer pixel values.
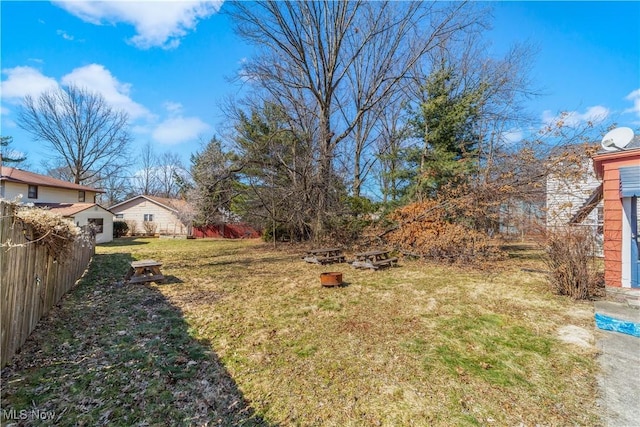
(145, 180)
(394, 41)
(116, 184)
(390, 169)
(59, 170)
(504, 86)
(169, 171)
(82, 129)
(309, 50)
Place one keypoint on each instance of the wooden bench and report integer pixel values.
(147, 270)
(374, 260)
(324, 256)
(384, 262)
(331, 259)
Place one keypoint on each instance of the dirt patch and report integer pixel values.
(576, 335)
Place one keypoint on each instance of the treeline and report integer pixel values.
(359, 108)
(352, 110)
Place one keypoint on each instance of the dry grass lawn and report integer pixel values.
(420, 344)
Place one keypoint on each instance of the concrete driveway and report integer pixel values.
(619, 380)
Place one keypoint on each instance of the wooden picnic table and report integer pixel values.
(147, 270)
(324, 256)
(374, 259)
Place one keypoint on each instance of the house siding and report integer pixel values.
(12, 191)
(81, 219)
(612, 227)
(613, 211)
(567, 194)
(165, 220)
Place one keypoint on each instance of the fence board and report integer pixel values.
(31, 281)
(227, 231)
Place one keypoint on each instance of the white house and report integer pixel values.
(574, 197)
(73, 201)
(159, 213)
(570, 190)
(83, 214)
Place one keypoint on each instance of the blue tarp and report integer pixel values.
(611, 324)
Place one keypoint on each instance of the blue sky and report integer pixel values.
(169, 64)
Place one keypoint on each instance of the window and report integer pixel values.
(600, 226)
(33, 191)
(81, 195)
(148, 217)
(119, 216)
(97, 224)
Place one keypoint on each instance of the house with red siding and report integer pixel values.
(619, 171)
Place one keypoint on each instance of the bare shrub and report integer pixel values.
(150, 227)
(426, 229)
(133, 226)
(570, 256)
(51, 230)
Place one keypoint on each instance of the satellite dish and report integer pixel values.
(617, 139)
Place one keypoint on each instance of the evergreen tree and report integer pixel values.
(7, 154)
(444, 126)
(214, 184)
(277, 171)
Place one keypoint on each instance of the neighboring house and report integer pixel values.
(72, 201)
(620, 174)
(83, 214)
(158, 212)
(573, 197)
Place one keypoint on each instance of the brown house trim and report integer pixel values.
(600, 159)
(588, 206)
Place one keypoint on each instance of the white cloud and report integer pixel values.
(23, 81)
(176, 130)
(595, 114)
(97, 78)
(157, 24)
(5, 119)
(64, 35)
(7, 123)
(512, 136)
(173, 107)
(635, 98)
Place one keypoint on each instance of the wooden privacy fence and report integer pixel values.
(227, 231)
(31, 280)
